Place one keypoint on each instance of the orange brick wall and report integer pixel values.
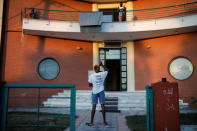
(144, 4)
(24, 52)
(16, 6)
(165, 12)
(151, 64)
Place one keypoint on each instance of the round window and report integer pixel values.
(48, 69)
(180, 68)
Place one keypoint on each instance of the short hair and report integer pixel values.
(95, 67)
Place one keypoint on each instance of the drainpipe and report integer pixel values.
(3, 44)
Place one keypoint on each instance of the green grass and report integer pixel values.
(188, 119)
(138, 123)
(30, 118)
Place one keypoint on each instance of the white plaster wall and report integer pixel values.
(150, 25)
(50, 25)
(130, 67)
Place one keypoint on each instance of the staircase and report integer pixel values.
(115, 101)
(111, 104)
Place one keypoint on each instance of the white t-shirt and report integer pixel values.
(97, 80)
(121, 8)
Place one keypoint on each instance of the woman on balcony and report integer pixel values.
(121, 10)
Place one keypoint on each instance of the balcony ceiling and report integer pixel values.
(104, 1)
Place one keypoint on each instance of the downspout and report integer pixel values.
(4, 39)
(2, 62)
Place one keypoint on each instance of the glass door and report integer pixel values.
(112, 55)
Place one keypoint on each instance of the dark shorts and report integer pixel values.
(100, 96)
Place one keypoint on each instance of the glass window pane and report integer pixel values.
(124, 56)
(102, 51)
(124, 68)
(113, 54)
(124, 80)
(124, 50)
(124, 74)
(124, 86)
(48, 69)
(102, 56)
(103, 61)
(124, 62)
(180, 68)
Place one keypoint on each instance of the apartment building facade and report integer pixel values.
(55, 48)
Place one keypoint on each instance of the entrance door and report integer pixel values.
(113, 77)
(115, 60)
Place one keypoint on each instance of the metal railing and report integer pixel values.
(30, 97)
(141, 14)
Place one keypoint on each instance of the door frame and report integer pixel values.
(123, 63)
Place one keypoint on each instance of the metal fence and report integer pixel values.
(141, 14)
(14, 98)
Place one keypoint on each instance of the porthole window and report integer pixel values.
(48, 69)
(180, 68)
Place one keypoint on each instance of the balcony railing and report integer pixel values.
(131, 15)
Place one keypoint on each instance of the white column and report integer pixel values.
(130, 53)
(129, 6)
(130, 67)
(95, 44)
(94, 7)
(1, 15)
(95, 53)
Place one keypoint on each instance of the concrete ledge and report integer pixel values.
(188, 127)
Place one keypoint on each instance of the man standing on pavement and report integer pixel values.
(96, 80)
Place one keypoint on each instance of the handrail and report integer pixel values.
(140, 14)
(188, 3)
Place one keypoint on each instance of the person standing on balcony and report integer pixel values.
(121, 10)
(33, 14)
(96, 80)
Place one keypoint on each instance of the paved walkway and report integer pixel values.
(115, 123)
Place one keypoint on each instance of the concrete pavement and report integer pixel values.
(116, 122)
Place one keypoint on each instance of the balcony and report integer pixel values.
(104, 1)
(139, 24)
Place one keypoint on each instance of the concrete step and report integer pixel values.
(111, 102)
(124, 100)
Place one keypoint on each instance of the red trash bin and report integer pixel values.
(166, 106)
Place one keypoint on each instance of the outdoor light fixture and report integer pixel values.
(148, 46)
(79, 48)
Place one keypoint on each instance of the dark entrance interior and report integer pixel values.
(113, 78)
